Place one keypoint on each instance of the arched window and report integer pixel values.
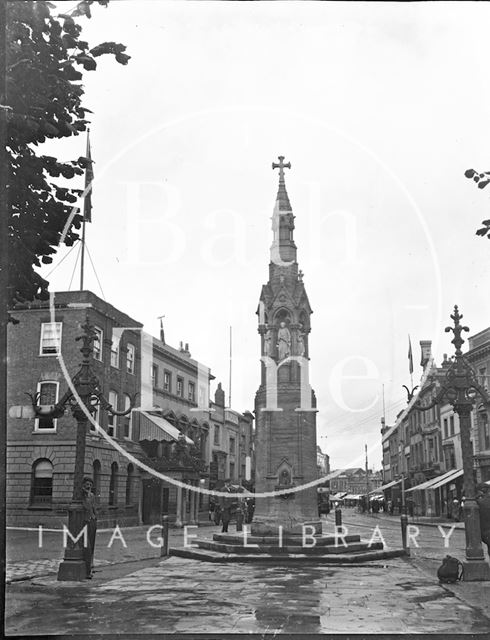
(96, 476)
(42, 482)
(129, 484)
(113, 485)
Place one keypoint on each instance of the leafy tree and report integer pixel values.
(42, 99)
(481, 179)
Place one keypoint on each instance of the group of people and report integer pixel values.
(223, 509)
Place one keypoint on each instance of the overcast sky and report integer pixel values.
(380, 108)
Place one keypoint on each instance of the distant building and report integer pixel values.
(354, 481)
(322, 462)
(232, 444)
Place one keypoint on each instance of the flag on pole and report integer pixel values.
(410, 356)
(89, 176)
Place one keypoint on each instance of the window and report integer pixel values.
(451, 425)
(98, 341)
(111, 419)
(154, 375)
(130, 352)
(129, 484)
(42, 482)
(232, 446)
(48, 396)
(444, 428)
(113, 485)
(191, 392)
(115, 353)
(96, 476)
(167, 381)
(216, 435)
(180, 387)
(243, 472)
(50, 338)
(483, 377)
(485, 431)
(232, 470)
(127, 419)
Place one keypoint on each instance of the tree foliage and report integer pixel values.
(42, 97)
(481, 179)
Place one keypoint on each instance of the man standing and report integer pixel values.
(226, 508)
(90, 520)
(483, 499)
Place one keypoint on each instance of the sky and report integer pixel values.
(380, 108)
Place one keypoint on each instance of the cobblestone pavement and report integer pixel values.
(37, 568)
(188, 596)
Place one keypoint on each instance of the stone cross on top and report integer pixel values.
(281, 165)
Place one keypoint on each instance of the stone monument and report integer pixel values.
(285, 404)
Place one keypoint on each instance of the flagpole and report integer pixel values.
(82, 256)
(87, 205)
(229, 388)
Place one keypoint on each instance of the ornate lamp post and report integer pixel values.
(461, 389)
(87, 387)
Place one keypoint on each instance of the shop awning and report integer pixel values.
(439, 480)
(456, 473)
(157, 428)
(385, 486)
(351, 496)
(339, 495)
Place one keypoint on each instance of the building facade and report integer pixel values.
(168, 431)
(424, 447)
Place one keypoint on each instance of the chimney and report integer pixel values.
(219, 396)
(426, 352)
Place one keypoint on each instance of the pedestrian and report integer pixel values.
(390, 507)
(225, 519)
(483, 500)
(250, 510)
(455, 510)
(461, 509)
(90, 521)
(217, 513)
(410, 507)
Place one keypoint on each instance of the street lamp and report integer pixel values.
(90, 396)
(461, 389)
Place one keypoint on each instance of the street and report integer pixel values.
(134, 590)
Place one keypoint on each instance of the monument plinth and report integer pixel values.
(285, 413)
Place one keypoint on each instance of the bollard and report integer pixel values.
(239, 519)
(404, 523)
(338, 518)
(164, 538)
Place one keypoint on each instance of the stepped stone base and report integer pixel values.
(229, 547)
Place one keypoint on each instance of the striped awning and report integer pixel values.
(438, 480)
(456, 473)
(157, 428)
(386, 486)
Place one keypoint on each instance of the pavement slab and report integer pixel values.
(177, 595)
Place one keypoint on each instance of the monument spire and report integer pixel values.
(283, 249)
(282, 195)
